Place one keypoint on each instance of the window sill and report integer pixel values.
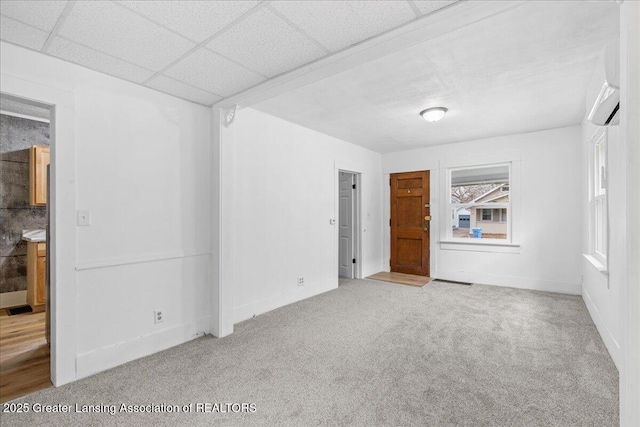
(596, 264)
(480, 245)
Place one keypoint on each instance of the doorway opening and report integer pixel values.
(349, 261)
(25, 312)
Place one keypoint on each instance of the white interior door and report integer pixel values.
(345, 224)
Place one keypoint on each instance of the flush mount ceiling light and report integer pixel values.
(433, 114)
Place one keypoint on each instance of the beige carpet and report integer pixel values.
(371, 354)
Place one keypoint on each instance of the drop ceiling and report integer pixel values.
(522, 70)
(201, 51)
(500, 68)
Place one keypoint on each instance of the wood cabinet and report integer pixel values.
(36, 275)
(38, 161)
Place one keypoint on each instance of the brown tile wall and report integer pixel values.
(17, 135)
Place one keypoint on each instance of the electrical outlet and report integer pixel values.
(158, 316)
(300, 281)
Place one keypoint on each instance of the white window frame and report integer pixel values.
(507, 205)
(598, 197)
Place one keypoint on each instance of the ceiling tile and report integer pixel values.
(182, 90)
(194, 19)
(112, 29)
(265, 43)
(40, 14)
(338, 24)
(492, 74)
(427, 7)
(213, 73)
(71, 51)
(23, 35)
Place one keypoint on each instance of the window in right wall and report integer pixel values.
(598, 206)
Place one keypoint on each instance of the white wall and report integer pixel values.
(283, 196)
(603, 300)
(140, 161)
(613, 300)
(545, 191)
(630, 137)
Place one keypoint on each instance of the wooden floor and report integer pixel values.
(24, 355)
(401, 278)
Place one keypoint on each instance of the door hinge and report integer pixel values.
(354, 261)
(389, 222)
(353, 186)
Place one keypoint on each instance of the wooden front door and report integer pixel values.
(410, 219)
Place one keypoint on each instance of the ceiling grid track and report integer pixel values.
(414, 7)
(298, 29)
(205, 42)
(190, 85)
(103, 53)
(54, 32)
(193, 41)
(236, 62)
(23, 23)
(154, 22)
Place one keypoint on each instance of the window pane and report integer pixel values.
(598, 195)
(475, 192)
(465, 220)
(600, 172)
(480, 185)
(601, 226)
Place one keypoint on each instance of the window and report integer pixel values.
(482, 195)
(503, 215)
(598, 197)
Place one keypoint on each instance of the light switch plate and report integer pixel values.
(84, 217)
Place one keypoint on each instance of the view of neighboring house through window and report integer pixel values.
(480, 202)
(503, 215)
(598, 197)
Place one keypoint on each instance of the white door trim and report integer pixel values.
(357, 219)
(62, 244)
(345, 255)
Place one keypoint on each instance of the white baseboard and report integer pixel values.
(512, 282)
(369, 270)
(109, 357)
(12, 299)
(263, 306)
(608, 339)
